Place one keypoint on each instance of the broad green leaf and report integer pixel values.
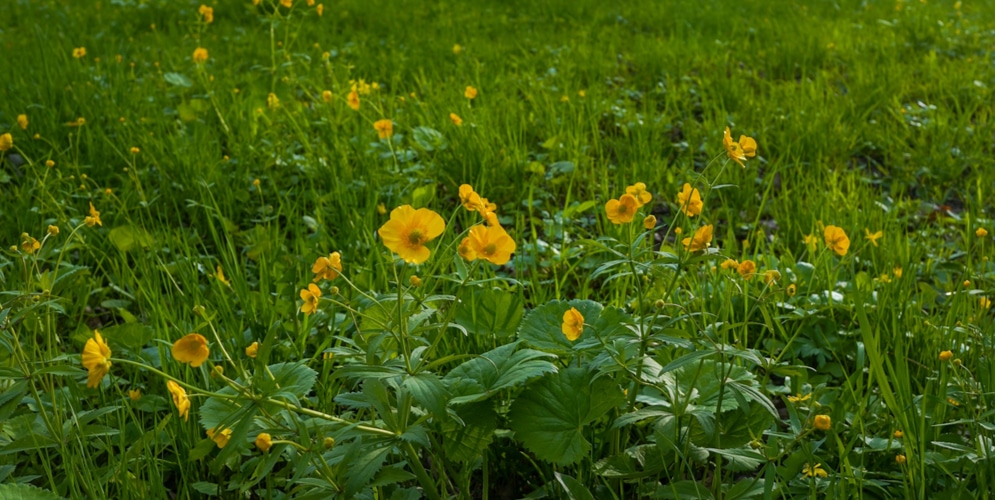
(18, 491)
(428, 390)
(127, 238)
(465, 441)
(542, 327)
(571, 487)
(488, 311)
(739, 459)
(550, 415)
(133, 335)
(496, 370)
(294, 379)
(429, 139)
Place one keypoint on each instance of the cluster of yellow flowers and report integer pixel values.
(325, 268)
(490, 242)
(623, 209)
(207, 13)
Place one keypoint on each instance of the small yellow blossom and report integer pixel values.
(897, 272)
(415, 281)
(22, 121)
(900, 459)
(50, 163)
(200, 55)
(327, 268)
(813, 471)
(966, 283)
(747, 269)
(985, 303)
(191, 348)
(384, 128)
(53, 230)
(408, 230)
(491, 243)
(982, 232)
(327, 96)
(701, 240)
(355, 102)
(221, 438)
(471, 93)
(207, 14)
(134, 394)
(873, 237)
(221, 276)
(729, 264)
(689, 200)
(639, 191)
(456, 49)
(897, 434)
(29, 244)
(251, 350)
(263, 441)
(739, 151)
(286, 4)
(79, 52)
(799, 398)
(310, 296)
(836, 240)
(134, 150)
(457, 120)
(319, 10)
(811, 242)
(622, 210)
(6, 142)
(572, 325)
(945, 355)
(96, 358)
(822, 422)
(272, 101)
(790, 291)
(649, 222)
(772, 276)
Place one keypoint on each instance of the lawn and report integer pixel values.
(543, 249)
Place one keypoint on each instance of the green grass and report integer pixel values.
(869, 116)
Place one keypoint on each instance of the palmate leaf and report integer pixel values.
(466, 441)
(499, 369)
(16, 491)
(542, 327)
(550, 415)
(487, 311)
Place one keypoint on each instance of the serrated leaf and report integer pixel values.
(428, 390)
(550, 415)
(291, 378)
(19, 491)
(206, 488)
(488, 311)
(496, 370)
(466, 441)
(542, 327)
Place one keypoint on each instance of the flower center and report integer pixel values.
(489, 249)
(622, 208)
(416, 237)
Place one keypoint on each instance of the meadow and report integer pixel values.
(522, 249)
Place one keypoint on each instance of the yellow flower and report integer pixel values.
(790, 291)
(457, 120)
(310, 295)
(456, 49)
(327, 268)
(491, 243)
(772, 276)
(50, 163)
(263, 441)
(134, 150)
(29, 244)
(319, 10)
(898, 434)
(700, 241)
(408, 230)
(191, 348)
(22, 121)
(945, 355)
(469, 198)
(354, 101)
(822, 422)
(134, 394)
(811, 242)
(689, 200)
(729, 264)
(286, 3)
(415, 281)
(206, 13)
(96, 358)
(251, 350)
(6, 142)
(639, 191)
(649, 222)
(180, 397)
(221, 438)
(471, 92)
(982, 232)
(79, 52)
(747, 269)
(897, 272)
(53, 230)
(272, 101)
(384, 128)
(873, 237)
(219, 275)
(813, 471)
(900, 459)
(966, 283)
(739, 152)
(572, 325)
(836, 240)
(200, 55)
(622, 210)
(327, 96)
(799, 398)
(985, 303)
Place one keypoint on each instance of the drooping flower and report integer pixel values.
(471, 93)
(191, 348)
(488, 242)
(200, 55)
(457, 120)
(622, 210)
(813, 471)
(263, 441)
(873, 237)
(6, 141)
(96, 358)
(251, 350)
(700, 241)
(408, 230)
(572, 325)
(221, 438)
(327, 268)
(822, 422)
(739, 151)
(747, 269)
(30, 244)
(354, 101)
(22, 121)
(180, 397)
(639, 191)
(384, 128)
(649, 222)
(836, 240)
(689, 200)
(310, 295)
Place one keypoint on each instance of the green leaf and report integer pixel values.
(429, 139)
(18, 491)
(499, 369)
(428, 390)
(739, 459)
(134, 335)
(465, 441)
(550, 415)
(489, 311)
(571, 487)
(292, 380)
(542, 327)
(177, 79)
(127, 238)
